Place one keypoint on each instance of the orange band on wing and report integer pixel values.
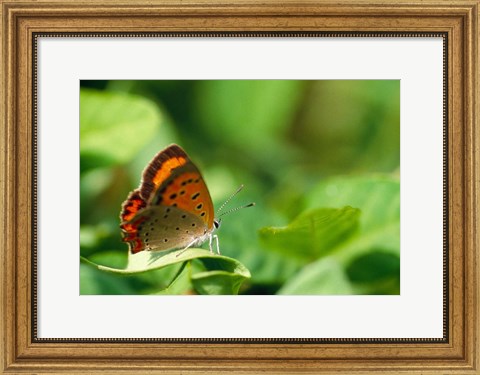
(160, 169)
(166, 169)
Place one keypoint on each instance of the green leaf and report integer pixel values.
(217, 282)
(136, 283)
(224, 275)
(323, 277)
(374, 266)
(365, 259)
(378, 197)
(376, 272)
(218, 277)
(179, 283)
(114, 127)
(238, 235)
(312, 234)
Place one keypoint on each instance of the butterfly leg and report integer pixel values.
(216, 240)
(210, 238)
(185, 248)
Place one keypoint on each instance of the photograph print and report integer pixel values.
(240, 187)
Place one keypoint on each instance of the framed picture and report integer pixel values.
(213, 187)
(289, 168)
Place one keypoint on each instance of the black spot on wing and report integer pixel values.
(195, 196)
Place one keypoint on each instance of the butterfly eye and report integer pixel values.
(216, 224)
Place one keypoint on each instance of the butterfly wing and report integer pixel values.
(131, 221)
(160, 168)
(172, 195)
(165, 228)
(171, 179)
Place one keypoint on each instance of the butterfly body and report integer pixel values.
(171, 209)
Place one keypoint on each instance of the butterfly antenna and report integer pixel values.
(236, 209)
(228, 200)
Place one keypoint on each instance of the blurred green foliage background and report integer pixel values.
(319, 158)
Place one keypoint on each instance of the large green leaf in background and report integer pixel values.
(378, 197)
(114, 126)
(371, 257)
(313, 233)
(362, 244)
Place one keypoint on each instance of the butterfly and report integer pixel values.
(172, 208)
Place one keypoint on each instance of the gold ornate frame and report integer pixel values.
(22, 352)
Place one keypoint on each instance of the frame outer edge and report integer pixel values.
(474, 171)
(470, 179)
(8, 200)
(7, 262)
(3, 183)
